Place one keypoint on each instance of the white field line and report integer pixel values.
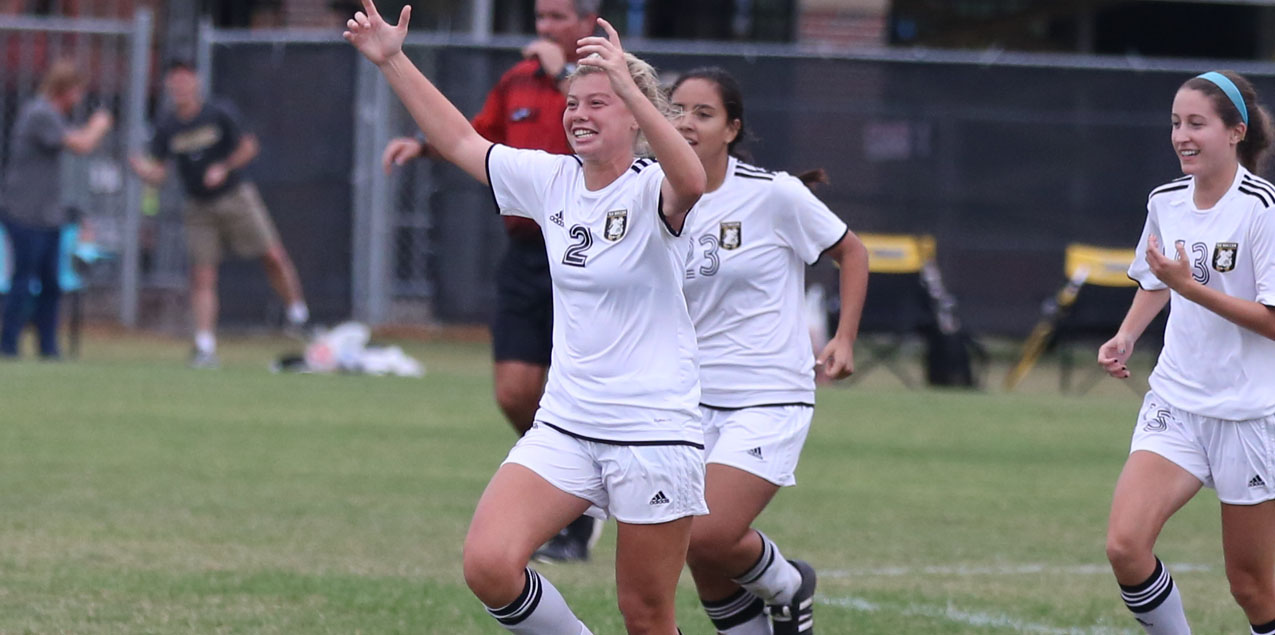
(978, 618)
(992, 570)
(970, 618)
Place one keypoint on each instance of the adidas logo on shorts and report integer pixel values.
(755, 453)
(1256, 481)
(659, 498)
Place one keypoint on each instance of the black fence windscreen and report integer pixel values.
(1003, 164)
(298, 99)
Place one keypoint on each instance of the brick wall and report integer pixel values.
(841, 25)
(310, 13)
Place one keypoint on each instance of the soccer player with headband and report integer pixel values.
(1207, 251)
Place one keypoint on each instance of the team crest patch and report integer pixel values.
(617, 225)
(730, 236)
(1224, 256)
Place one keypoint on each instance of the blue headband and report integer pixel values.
(1228, 87)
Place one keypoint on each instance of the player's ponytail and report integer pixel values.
(811, 178)
(1255, 147)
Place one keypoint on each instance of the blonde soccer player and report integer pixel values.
(618, 426)
(753, 232)
(1207, 251)
(524, 110)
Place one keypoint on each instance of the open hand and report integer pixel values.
(373, 36)
(399, 151)
(550, 56)
(607, 54)
(1175, 274)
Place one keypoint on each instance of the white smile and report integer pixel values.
(1188, 153)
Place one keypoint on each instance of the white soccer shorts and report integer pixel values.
(765, 441)
(637, 484)
(1236, 458)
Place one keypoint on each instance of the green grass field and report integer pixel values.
(137, 496)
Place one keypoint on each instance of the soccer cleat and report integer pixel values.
(798, 616)
(203, 360)
(572, 544)
(560, 549)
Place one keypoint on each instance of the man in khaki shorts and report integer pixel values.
(224, 209)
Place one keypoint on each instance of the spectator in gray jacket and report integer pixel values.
(35, 213)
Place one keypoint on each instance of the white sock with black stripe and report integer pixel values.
(740, 614)
(539, 610)
(772, 578)
(1156, 603)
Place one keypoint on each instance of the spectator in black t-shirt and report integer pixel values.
(223, 208)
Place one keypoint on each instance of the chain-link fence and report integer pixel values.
(1004, 158)
(296, 93)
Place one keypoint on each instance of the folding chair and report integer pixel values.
(76, 258)
(897, 307)
(1087, 309)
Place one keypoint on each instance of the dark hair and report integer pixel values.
(1252, 149)
(811, 178)
(179, 64)
(732, 100)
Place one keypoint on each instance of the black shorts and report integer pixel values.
(522, 328)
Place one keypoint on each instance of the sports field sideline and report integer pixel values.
(137, 496)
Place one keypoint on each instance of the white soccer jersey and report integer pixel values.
(745, 286)
(623, 366)
(1209, 365)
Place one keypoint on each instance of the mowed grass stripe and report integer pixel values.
(139, 496)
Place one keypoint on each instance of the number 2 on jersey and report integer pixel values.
(575, 255)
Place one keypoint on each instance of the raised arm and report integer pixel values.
(85, 139)
(446, 128)
(684, 178)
